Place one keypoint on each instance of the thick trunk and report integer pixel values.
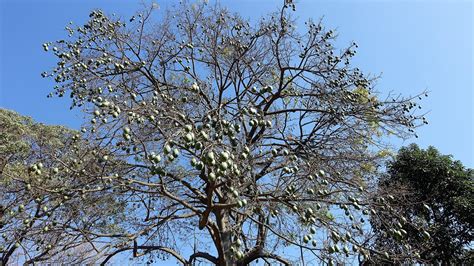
(226, 238)
(226, 257)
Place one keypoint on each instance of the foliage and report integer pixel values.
(42, 176)
(437, 192)
(252, 137)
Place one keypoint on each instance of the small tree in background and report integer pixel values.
(436, 191)
(45, 173)
(254, 138)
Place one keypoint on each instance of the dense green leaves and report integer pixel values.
(436, 191)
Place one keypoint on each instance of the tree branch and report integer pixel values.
(204, 255)
(147, 248)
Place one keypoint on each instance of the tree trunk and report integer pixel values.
(229, 259)
(226, 257)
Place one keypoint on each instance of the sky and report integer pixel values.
(413, 45)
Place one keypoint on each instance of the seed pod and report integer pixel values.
(198, 145)
(224, 156)
(212, 176)
(210, 156)
(346, 249)
(306, 238)
(189, 137)
(426, 235)
(321, 173)
(223, 166)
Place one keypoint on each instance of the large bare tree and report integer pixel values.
(253, 139)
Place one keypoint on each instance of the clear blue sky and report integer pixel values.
(415, 45)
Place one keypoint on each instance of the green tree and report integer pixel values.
(432, 190)
(250, 137)
(45, 171)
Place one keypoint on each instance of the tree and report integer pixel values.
(436, 191)
(251, 137)
(43, 174)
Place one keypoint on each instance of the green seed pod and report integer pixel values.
(224, 156)
(189, 137)
(426, 235)
(348, 236)
(167, 149)
(127, 136)
(426, 207)
(331, 249)
(235, 193)
(306, 238)
(212, 176)
(210, 156)
(200, 166)
(346, 249)
(198, 145)
(195, 87)
(223, 166)
(237, 128)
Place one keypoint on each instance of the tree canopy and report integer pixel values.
(253, 139)
(45, 172)
(436, 190)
